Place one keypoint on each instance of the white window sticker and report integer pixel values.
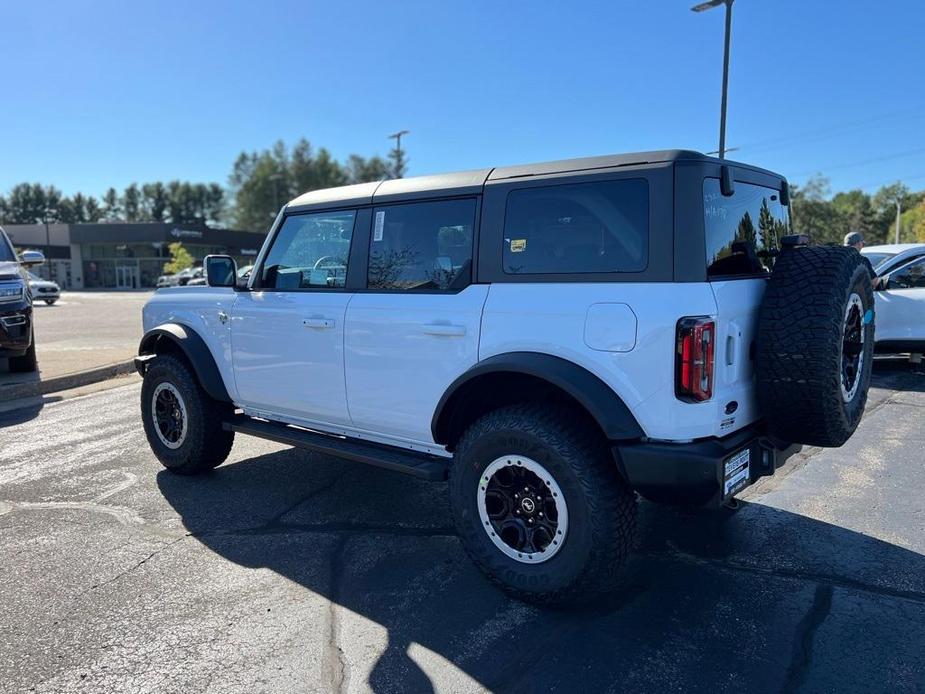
(380, 225)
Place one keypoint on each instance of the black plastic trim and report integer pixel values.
(692, 473)
(601, 402)
(196, 351)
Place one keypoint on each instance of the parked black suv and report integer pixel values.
(16, 333)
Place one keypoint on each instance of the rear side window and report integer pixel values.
(422, 246)
(310, 251)
(912, 276)
(753, 215)
(601, 226)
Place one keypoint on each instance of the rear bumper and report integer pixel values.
(707, 472)
(15, 330)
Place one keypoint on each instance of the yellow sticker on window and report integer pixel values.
(518, 245)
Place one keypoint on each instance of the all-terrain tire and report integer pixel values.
(601, 507)
(802, 346)
(28, 362)
(204, 443)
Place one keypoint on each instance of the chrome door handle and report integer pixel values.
(223, 317)
(320, 323)
(444, 329)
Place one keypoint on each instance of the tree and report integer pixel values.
(153, 202)
(131, 203)
(112, 209)
(180, 259)
(885, 205)
(813, 213)
(767, 226)
(360, 170)
(856, 213)
(746, 231)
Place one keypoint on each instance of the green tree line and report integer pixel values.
(262, 181)
(827, 218)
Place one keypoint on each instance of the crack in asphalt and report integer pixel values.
(806, 632)
(333, 665)
(135, 566)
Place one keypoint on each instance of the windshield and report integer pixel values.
(877, 259)
(6, 249)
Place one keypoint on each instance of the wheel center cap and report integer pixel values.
(528, 505)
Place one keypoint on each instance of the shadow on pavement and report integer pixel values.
(898, 372)
(758, 599)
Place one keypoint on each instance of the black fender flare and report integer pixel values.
(196, 351)
(599, 399)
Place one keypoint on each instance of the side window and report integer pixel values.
(910, 277)
(601, 226)
(422, 246)
(310, 250)
(753, 215)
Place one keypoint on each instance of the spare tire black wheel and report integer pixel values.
(815, 345)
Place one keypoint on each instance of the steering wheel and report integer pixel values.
(333, 263)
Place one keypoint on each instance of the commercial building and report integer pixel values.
(123, 255)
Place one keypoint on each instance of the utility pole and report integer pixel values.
(703, 7)
(899, 209)
(399, 162)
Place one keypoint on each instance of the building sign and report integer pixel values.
(186, 234)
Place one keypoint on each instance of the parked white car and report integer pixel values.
(43, 290)
(900, 301)
(890, 256)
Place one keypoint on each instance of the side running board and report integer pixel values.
(421, 465)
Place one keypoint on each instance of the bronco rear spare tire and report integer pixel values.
(815, 345)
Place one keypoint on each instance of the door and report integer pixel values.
(287, 333)
(900, 307)
(126, 277)
(415, 328)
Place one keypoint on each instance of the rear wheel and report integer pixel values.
(50, 301)
(182, 423)
(28, 362)
(539, 504)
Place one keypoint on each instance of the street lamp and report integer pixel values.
(703, 7)
(276, 178)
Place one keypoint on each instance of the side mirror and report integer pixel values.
(30, 258)
(220, 270)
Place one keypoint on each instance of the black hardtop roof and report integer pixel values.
(467, 182)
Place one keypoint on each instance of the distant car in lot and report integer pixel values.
(184, 277)
(899, 302)
(43, 290)
(890, 256)
(166, 281)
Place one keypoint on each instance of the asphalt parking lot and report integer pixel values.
(85, 330)
(284, 571)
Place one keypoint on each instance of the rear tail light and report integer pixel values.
(694, 359)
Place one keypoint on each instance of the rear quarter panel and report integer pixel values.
(566, 319)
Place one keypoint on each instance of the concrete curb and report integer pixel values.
(15, 391)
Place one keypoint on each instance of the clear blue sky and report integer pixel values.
(106, 93)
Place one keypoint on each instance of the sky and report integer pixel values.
(100, 94)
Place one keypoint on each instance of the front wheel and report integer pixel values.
(182, 423)
(539, 505)
(28, 362)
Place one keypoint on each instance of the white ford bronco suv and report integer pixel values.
(552, 338)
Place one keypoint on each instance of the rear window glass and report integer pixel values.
(877, 259)
(578, 228)
(752, 214)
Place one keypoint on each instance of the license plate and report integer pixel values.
(736, 472)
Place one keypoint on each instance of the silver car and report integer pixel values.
(43, 290)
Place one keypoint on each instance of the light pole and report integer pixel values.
(398, 161)
(703, 7)
(276, 178)
(899, 211)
